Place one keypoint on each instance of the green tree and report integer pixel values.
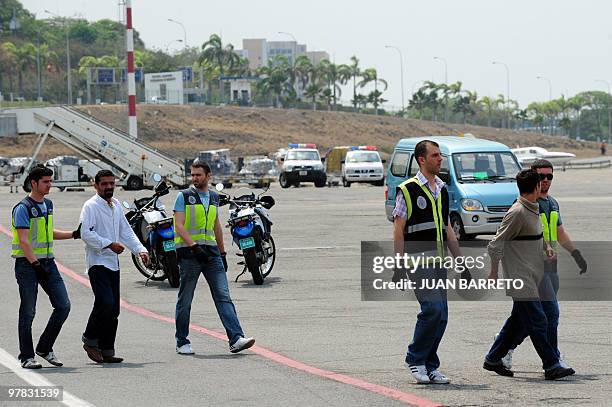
(24, 57)
(221, 56)
(368, 76)
(355, 72)
(275, 79)
(489, 104)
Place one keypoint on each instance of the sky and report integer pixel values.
(568, 42)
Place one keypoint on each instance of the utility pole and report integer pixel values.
(549, 99)
(401, 74)
(445, 83)
(507, 91)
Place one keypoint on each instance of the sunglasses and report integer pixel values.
(546, 176)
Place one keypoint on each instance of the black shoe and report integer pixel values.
(498, 368)
(111, 359)
(93, 353)
(558, 373)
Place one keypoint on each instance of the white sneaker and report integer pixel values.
(419, 373)
(241, 344)
(31, 364)
(185, 349)
(506, 360)
(438, 378)
(563, 363)
(51, 358)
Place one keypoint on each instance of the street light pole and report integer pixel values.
(170, 43)
(446, 83)
(549, 98)
(401, 73)
(609, 110)
(507, 89)
(68, 67)
(184, 31)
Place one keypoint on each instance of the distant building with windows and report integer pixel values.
(259, 51)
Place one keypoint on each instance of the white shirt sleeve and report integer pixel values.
(88, 229)
(128, 237)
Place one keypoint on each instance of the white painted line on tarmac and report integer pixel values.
(36, 379)
(319, 248)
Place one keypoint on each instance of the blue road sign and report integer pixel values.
(106, 75)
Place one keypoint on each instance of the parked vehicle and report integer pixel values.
(154, 228)
(363, 164)
(251, 228)
(480, 177)
(302, 163)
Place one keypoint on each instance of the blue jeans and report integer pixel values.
(431, 322)
(28, 292)
(216, 277)
(103, 321)
(529, 316)
(549, 287)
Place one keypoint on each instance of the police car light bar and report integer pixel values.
(366, 148)
(301, 145)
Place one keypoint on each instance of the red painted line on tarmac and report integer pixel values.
(404, 397)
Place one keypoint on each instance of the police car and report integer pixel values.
(363, 164)
(302, 163)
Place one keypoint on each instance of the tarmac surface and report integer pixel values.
(318, 344)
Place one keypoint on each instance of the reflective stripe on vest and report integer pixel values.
(40, 237)
(549, 228)
(199, 224)
(437, 213)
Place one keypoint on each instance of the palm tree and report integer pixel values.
(432, 98)
(303, 69)
(354, 72)
(418, 102)
(315, 86)
(371, 75)
(223, 57)
(577, 103)
(275, 79)
(489, 104)
(335, 75)
(7, 63)
(375, 98)
(465, 104)
(25, 58)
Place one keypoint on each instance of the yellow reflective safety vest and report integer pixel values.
(40, 235)
(425, 222)
(549, 224)
(199, 220)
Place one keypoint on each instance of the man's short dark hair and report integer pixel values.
(541, 163)
(101, 174)
(39, 171)
(203, 165)
(527, 181)
(420, 150)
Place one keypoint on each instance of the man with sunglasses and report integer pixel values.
(555, 234)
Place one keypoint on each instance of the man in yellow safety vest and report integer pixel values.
(32, 249)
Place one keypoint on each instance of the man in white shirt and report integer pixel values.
(105, 230)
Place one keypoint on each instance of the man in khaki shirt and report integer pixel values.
(519, 245)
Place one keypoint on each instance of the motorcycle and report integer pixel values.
(155, 230)
(251, 227)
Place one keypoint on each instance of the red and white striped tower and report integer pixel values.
(129, 38)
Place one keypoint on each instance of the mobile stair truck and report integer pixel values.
(133, 161)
